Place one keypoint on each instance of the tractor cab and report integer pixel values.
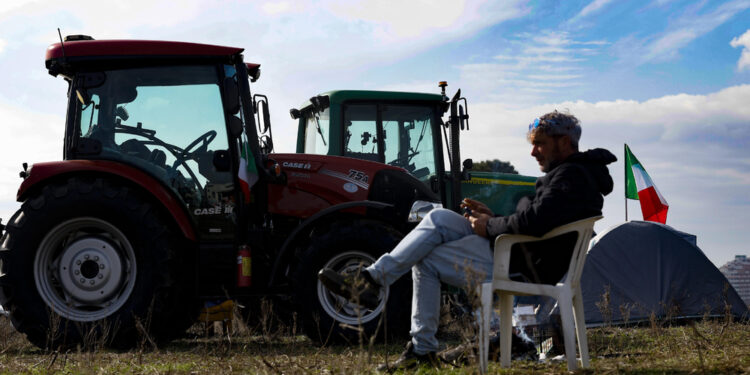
(401, 129)
(399, 134)
(178, 112)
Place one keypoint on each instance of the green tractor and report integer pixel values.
(403, 129)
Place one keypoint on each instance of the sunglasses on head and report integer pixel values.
(537, 121)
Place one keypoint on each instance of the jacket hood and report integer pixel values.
(595, 161)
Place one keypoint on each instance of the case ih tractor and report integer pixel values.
(403, 129)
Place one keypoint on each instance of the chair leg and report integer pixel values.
(568, 325)
(583, 344)
(506, 328)
(485, 295)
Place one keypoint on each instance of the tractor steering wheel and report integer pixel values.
(204, 139)
(182, 156)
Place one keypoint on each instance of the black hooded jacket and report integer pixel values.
(572, 190)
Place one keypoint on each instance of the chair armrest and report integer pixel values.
(504, 242)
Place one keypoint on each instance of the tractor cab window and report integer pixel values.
(316, 132)
(360, 132)
(408, 139)
(406, 132)
(165, 121)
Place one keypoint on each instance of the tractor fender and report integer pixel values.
(40, 173)
(308, 223)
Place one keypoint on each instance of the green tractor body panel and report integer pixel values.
(499, 191)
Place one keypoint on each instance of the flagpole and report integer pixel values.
(625, 180)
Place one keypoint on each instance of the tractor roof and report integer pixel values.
(98, 48)
(340, 96)
(72, 55)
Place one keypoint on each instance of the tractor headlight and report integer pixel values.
(420, 208)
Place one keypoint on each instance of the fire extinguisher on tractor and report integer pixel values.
(244, 267)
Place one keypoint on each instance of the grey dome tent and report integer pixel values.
(638, 268)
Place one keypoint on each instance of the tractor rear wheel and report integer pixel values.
(89, 261)
(328, 318)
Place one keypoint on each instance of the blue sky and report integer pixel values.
(671, 78)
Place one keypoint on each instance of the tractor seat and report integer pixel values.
(133, 147)
(158, 157)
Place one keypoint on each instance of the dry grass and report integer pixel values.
(706, 347)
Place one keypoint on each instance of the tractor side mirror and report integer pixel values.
(231, 96)
(463, 118)
(260, 102)
(221, 161)
(459, 113)
(266, 115)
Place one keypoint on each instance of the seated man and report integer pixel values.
(457, 250)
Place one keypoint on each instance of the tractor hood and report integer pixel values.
(316, 182)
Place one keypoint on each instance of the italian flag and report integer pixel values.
(247, 172)
(638, 185)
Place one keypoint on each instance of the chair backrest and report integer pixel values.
(584, 229)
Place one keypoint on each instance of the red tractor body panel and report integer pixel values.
(124, 47)
(315, 182)
(41, 172)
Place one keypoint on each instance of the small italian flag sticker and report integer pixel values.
(247, 172)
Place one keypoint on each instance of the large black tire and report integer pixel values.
(328, 318)
(90, 261)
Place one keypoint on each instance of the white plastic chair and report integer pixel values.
(567, 292)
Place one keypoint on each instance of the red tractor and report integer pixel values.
(168, 195)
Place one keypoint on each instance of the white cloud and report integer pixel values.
(744, 42)
(30, 137)
(688, 27)
(3, 43)
(395, 19)
(274, 8)
(533, 65)
(8, 5)
(37, 21)
(589, 9)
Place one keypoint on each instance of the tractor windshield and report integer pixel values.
(166, 121)
(406, 132)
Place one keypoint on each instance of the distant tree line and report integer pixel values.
(494, 165)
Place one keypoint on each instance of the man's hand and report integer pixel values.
(479, 222)
(476, 206)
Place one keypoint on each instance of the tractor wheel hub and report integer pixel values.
(90, 270)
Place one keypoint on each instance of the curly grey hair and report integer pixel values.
(557, 124)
